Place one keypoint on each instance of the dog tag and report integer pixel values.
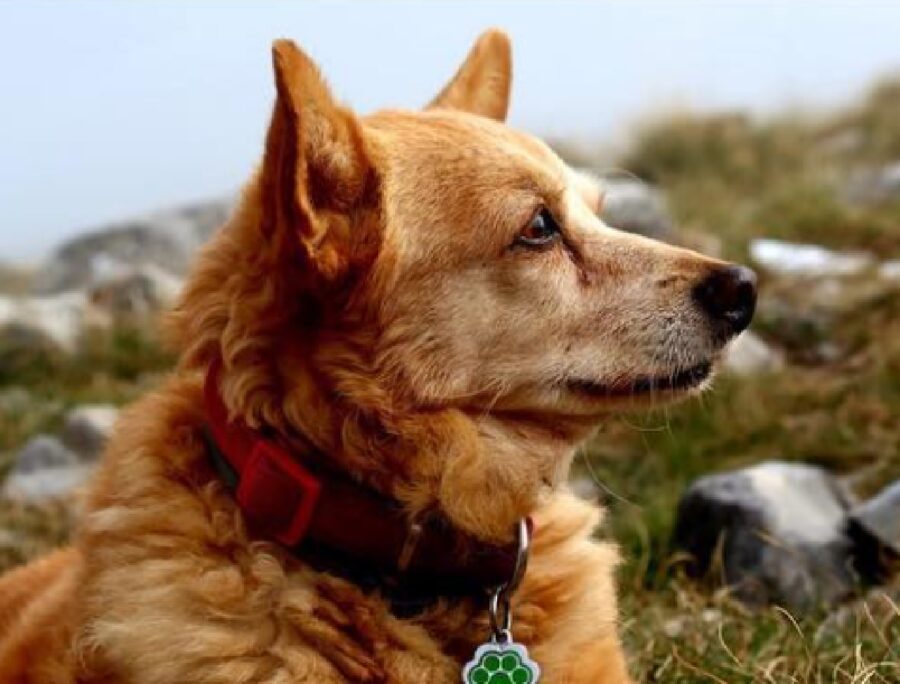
(501, 663)
(501, 660)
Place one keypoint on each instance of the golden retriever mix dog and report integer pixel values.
(388, 357)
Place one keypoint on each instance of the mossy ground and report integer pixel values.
(735, 178)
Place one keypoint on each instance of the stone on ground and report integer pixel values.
(87, 428)
(56, 320)
(44, 469)
(875, 529)
(636, 207)
(166, 240)
(801, 260)
(774, 531)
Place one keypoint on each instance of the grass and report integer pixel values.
(683, 635)
(38, 385)
(737, 178)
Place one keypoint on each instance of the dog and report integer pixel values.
(388, 356)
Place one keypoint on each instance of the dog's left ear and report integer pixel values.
(482, 84)
(315, 170)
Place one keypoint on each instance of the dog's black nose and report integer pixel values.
(728, 295)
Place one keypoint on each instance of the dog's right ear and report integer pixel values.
(482, 84)
(315, 168)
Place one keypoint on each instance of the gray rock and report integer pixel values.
(750, 355)
(87, 428)
(45, 485)
(880, 517)
(778, 530)
(165, 240)
(44, 469)
(136, 291)
(58, 319)
(43, 452)
(636, 207)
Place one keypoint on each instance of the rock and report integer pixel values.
(166, 241)
(780, 530)
(873, 185)
(801, 313)
(87, 428)
(750, 355)
(637, 207)
(58, 319)
(875, 529)
(44, 485)
(890, 270)
(791, 259)
(44, 469)
(40, 453)
(49, 467)
(136, 291)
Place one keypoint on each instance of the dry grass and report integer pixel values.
(681, 635)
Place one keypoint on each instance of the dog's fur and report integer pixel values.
(369, 295)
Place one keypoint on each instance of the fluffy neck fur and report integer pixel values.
(304, 367)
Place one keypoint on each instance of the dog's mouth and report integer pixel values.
(679, 381)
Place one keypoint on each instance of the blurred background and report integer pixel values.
(760, 526)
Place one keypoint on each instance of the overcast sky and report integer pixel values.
(113, 108)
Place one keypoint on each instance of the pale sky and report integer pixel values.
(114, 108)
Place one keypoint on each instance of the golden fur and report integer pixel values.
(365, 296)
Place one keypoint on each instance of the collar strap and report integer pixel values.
(322, 514)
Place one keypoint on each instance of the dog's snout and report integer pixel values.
(728, 296)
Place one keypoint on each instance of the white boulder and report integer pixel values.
(792, 259)
(60, 318)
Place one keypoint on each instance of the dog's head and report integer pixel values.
(414, 262)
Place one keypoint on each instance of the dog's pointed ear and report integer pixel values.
(315, 167)
(482, 84)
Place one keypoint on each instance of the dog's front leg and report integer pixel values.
(566, 607)
(600, 661)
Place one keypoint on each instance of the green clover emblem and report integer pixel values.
(501, 664)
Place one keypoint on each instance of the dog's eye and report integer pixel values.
(540, 231)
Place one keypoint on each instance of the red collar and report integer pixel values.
(271, 487)
(320, 512)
